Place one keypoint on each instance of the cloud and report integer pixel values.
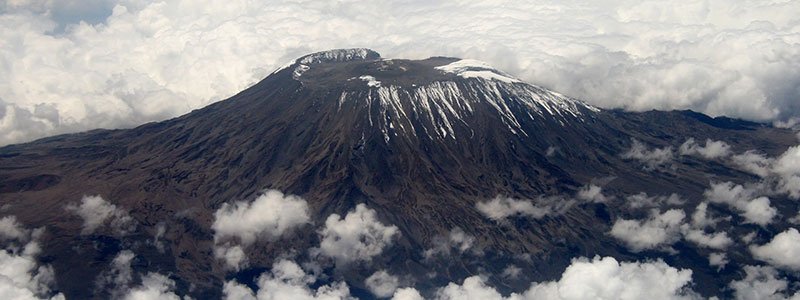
(407, 294)
(756, 210)
(650, 158)
(359, 236)
(96, 211)
(787, 166)
(456, 239)
(657, 231)
(642, 200)
(21, 276)
(718, 260)
(761, 283)
(271, 215)
(501, 208)
(169, 57)
(712, 149)
(592, 193)
(716, 240)
(782, 252)
(286, 280)
(154, 287)
(599, 278)
(754, 162)
(382, 284)
(511, 272)
(119, 276)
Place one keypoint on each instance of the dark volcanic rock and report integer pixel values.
(418, 144)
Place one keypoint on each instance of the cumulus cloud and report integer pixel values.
(659, 230)
(500, 208)
(753, 162)
(154, 287)
(359, 236)
(718, 260)
(756, 210)
(170, 57)
(643, 200)
(651, 158)
(21, 275)
(787, 166)
(96, 211)
(119, 276)
(716, 240)
(712, 149)
(592, 193)
(286, 280)
(783, 251)
(598, 278)
(269, 216)
(456, 240)
(382, 284)
(407, 294)
(761, 283)
(511, 272)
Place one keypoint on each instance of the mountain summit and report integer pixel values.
(469, 170)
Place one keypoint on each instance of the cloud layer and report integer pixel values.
(73, 65)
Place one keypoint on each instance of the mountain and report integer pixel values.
(423, 143)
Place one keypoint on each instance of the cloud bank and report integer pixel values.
(21, 275)
(72, 65)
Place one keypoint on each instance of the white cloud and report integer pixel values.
(268, 217)
(782, 252)
(592, 193)
(712, 149)
(599, 278)
(756, 210)
(119, 276)
(169, 57)
(787, 166)
(651, 158)
(21, 276)
(382, 284)
(456, 239)
(96, 211)
(642, 200)
(716, 240)
(761, 283)
(718, 260)
(407, 294)
(233, 255)
(286, 280)
(154, 287)
(501, 208)
(754, 162)
(511, 272)
(657, 231)
(359, 236)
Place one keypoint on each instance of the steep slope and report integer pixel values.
(420, 141)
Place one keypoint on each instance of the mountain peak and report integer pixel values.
(339, 55)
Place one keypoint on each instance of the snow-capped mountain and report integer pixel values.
(468, 169)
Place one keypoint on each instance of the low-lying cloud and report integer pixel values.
(359, 236)
(71, 65)
(271, 215)
(21, 275)
(500, 208)
(96, 211)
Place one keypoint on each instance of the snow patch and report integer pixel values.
(471, 68)
(371, 81)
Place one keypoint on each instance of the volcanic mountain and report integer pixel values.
(425, 144)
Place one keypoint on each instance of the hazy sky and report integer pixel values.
(70, 65)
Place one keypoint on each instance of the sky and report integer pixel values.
(74, 65)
